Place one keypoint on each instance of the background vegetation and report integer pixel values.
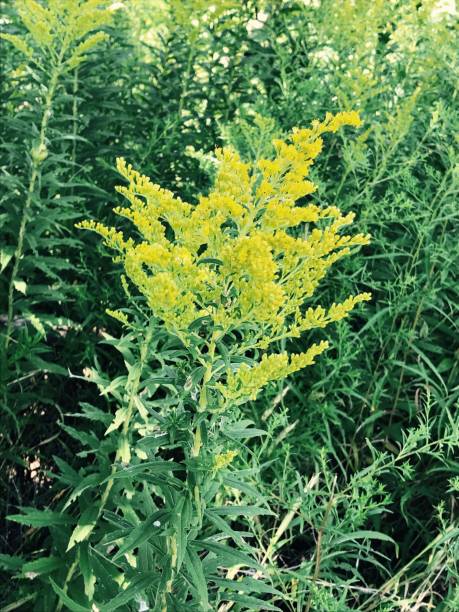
(360, 461)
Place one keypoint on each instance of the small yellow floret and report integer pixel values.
(222, 460)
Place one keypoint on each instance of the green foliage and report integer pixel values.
(334, 490)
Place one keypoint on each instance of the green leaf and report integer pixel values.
(37, 324)
(10, 562)
(150, 467)
(182, 519)
(252, 603)
(5, 256)
(223, 526)
(92, 413)
(112, 386)
(87, 572)
(19, 603)
(241, 430)
(247, 585)
(64, 598)
(88, 482)
(245, 487)
(136, 586)
(193, 566)
(238, 510)
(120, 417)
(45, 366)
(45, 565)
(41, 518)
(85, 438)
(20, 286)
(210, 260)
(85, 526)
(360, 535)
(227, 556)
(143, 532)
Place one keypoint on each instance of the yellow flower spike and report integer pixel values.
(234, 256)
(247, 382)
(233, 177)
(118, 315)
(60, 29)
(19, 43)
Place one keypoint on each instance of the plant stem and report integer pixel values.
(74, 121)
(195, 451)
(68, 578)
(318, 554)
(133, 388)
(38, 156)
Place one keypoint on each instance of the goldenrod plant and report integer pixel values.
(212, 290)
(168, 477)
(59, 37)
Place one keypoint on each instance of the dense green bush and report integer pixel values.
(357, 470)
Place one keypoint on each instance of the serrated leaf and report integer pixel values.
(150, 467)
(45, 565)
(87, 572)
(66, 473)
(143, 532)
(136, 586)
(112, 386)
(10, 562)
(92, 413)
(85, 526)
(226, 556)
(85, 438)
(120, 417)
(64, 598)
(91, 480)
(41, 518)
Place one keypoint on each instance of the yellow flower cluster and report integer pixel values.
(58, 25)
(222, 460)
(118, 315)
(247, 381)
(235, 257)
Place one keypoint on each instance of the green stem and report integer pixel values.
(172, 549)
(133, 389)
(38, 156)
(68, 578)
(195, 451)
(74, 119)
